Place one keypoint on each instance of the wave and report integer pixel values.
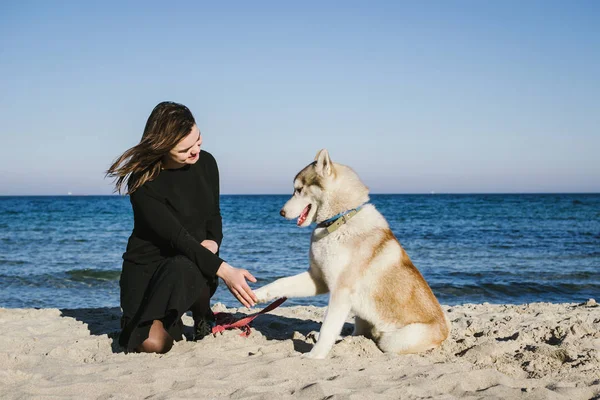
(517, 292)
(65, 279)
(66, 241)
(87, 274)
(13, 262)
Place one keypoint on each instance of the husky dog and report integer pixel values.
(357, 259)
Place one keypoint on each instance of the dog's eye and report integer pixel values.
(298, 191)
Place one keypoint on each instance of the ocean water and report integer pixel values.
(65, 251)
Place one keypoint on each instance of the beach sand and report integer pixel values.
(533, 351)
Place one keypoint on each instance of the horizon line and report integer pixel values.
(287, 194)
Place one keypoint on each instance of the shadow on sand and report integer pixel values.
(277, 327)
(106, 321)
(99, 321)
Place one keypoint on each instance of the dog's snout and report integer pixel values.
(282, 213)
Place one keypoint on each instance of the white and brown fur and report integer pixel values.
(362, 265)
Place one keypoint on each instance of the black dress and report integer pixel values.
(165, 269)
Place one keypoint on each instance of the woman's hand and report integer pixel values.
(211, 245)
(235, 279)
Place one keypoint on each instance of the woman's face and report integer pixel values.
(187, 150)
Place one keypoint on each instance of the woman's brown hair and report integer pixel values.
(168, 124)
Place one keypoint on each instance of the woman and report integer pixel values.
(172, 259)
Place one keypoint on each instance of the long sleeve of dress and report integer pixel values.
(214, 225)
(156, 216)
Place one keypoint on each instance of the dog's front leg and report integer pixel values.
(306, 284)
(337, 312)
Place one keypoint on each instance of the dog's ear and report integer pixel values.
(324, 165)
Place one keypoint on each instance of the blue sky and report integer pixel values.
(448, 96)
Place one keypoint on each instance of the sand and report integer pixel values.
(533, 351)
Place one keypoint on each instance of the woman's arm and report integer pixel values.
(154, 215)
(214, 225)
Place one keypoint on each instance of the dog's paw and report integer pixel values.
(315, 354)
(263, 295)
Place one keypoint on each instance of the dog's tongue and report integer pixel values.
(303, 216)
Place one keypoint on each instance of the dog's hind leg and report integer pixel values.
(337, 312)
(412, 338)
(362, 327)
(306, 284)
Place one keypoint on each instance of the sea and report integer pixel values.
(65, 251)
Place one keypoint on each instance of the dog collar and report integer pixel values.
(336, 221)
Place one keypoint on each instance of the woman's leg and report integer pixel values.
(201, 308)
(175, 287)
(159, 340)
(204, 318)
